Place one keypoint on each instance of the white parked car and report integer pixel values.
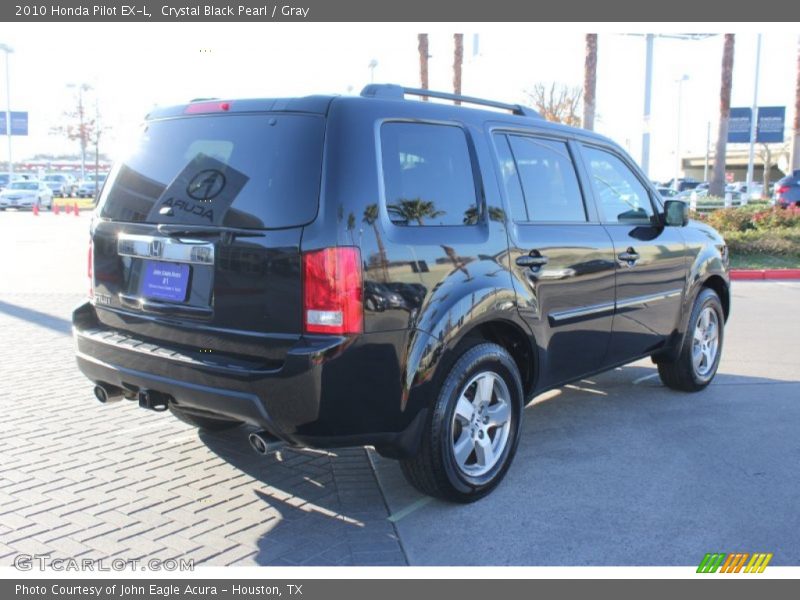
(25, 194)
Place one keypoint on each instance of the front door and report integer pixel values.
(651, 259)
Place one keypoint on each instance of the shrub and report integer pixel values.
(776, 218)
(731, 219)
(774, 242)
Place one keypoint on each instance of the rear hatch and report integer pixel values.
(197, 241)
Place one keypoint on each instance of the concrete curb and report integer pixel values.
(760, 274)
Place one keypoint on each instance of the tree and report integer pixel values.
(717, 185)
(415, 210)
(458, 61)
(558, 103)
(370, 217)
(796, 132)
(422, 46)
(78, 126)
(590, 81)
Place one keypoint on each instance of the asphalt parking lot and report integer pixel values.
(614, 470)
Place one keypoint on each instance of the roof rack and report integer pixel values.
(398, 92)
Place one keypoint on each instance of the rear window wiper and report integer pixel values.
(176, 230)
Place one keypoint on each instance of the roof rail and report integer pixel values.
(398, 92)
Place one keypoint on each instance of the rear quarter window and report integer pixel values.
(250, 171)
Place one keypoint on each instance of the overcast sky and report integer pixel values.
(136, 66)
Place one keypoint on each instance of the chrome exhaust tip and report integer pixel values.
(106, 393)
(263, 442)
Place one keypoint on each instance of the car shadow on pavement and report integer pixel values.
(36, 317)
(313, 507)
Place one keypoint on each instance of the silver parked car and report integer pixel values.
(26, 194)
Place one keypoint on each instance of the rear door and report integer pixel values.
(562, 257)
(651, 259)
(197, 243)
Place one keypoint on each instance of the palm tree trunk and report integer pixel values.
(458, 61)
(423, 61)
(381, 253)
(717, 186)
(590, 81)
(796, 137)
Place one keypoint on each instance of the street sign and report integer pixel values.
(739, 124)
(19, 123)
(771, 121)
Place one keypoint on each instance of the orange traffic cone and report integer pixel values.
(67, 208)
(75, 209)
(55, 208)
(36, 210)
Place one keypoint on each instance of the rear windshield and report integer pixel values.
(251, 171)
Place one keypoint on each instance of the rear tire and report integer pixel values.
(472, 432)
(698, 361)
(202, 422)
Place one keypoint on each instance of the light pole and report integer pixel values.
(8, 50)
(678, 136)
(753, 128)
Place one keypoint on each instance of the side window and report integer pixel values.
(510, 179)
(622, 197)
(549, 182)
(427, 175)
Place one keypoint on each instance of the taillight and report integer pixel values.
(783, 189)
(207, 107)
(332, 296)
(89, 271)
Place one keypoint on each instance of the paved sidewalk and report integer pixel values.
(79, 479)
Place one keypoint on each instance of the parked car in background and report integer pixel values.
(88, 188)
(787, 191)
(25, 194)
(61, 184)
(6, 178)
(666, 192)
(740, 187)
(682, 184)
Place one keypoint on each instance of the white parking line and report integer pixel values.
(639, 380)
(394, 518)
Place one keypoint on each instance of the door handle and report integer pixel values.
(532, 260)
(629, 257)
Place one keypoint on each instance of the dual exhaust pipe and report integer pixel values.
(263, 442)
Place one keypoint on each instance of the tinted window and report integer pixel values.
(510, 179)
(260, 171)
(623, 198)
(427, 175)
(549, 183)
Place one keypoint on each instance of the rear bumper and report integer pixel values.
(288, 400)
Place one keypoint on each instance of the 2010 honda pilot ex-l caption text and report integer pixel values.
(376, 270)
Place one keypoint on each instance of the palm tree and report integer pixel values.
(371, 218)
(415, 210)
(717, 186)
(796, 137)
(458, 61)
(589, 81)
(422, 38)
(495, 214)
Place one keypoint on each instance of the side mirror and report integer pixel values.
(676, 213)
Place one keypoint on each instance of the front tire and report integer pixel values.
(202, 422)
(471, 435)
(698, 360)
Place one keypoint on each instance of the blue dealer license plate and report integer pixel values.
(165, 281)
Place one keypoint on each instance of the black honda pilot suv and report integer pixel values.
(375, 270)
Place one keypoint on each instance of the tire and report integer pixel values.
(441, 471)
(202, 422)
(694, 369)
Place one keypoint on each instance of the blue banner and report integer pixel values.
(739, 124)
(19, 123)
(771, 122)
